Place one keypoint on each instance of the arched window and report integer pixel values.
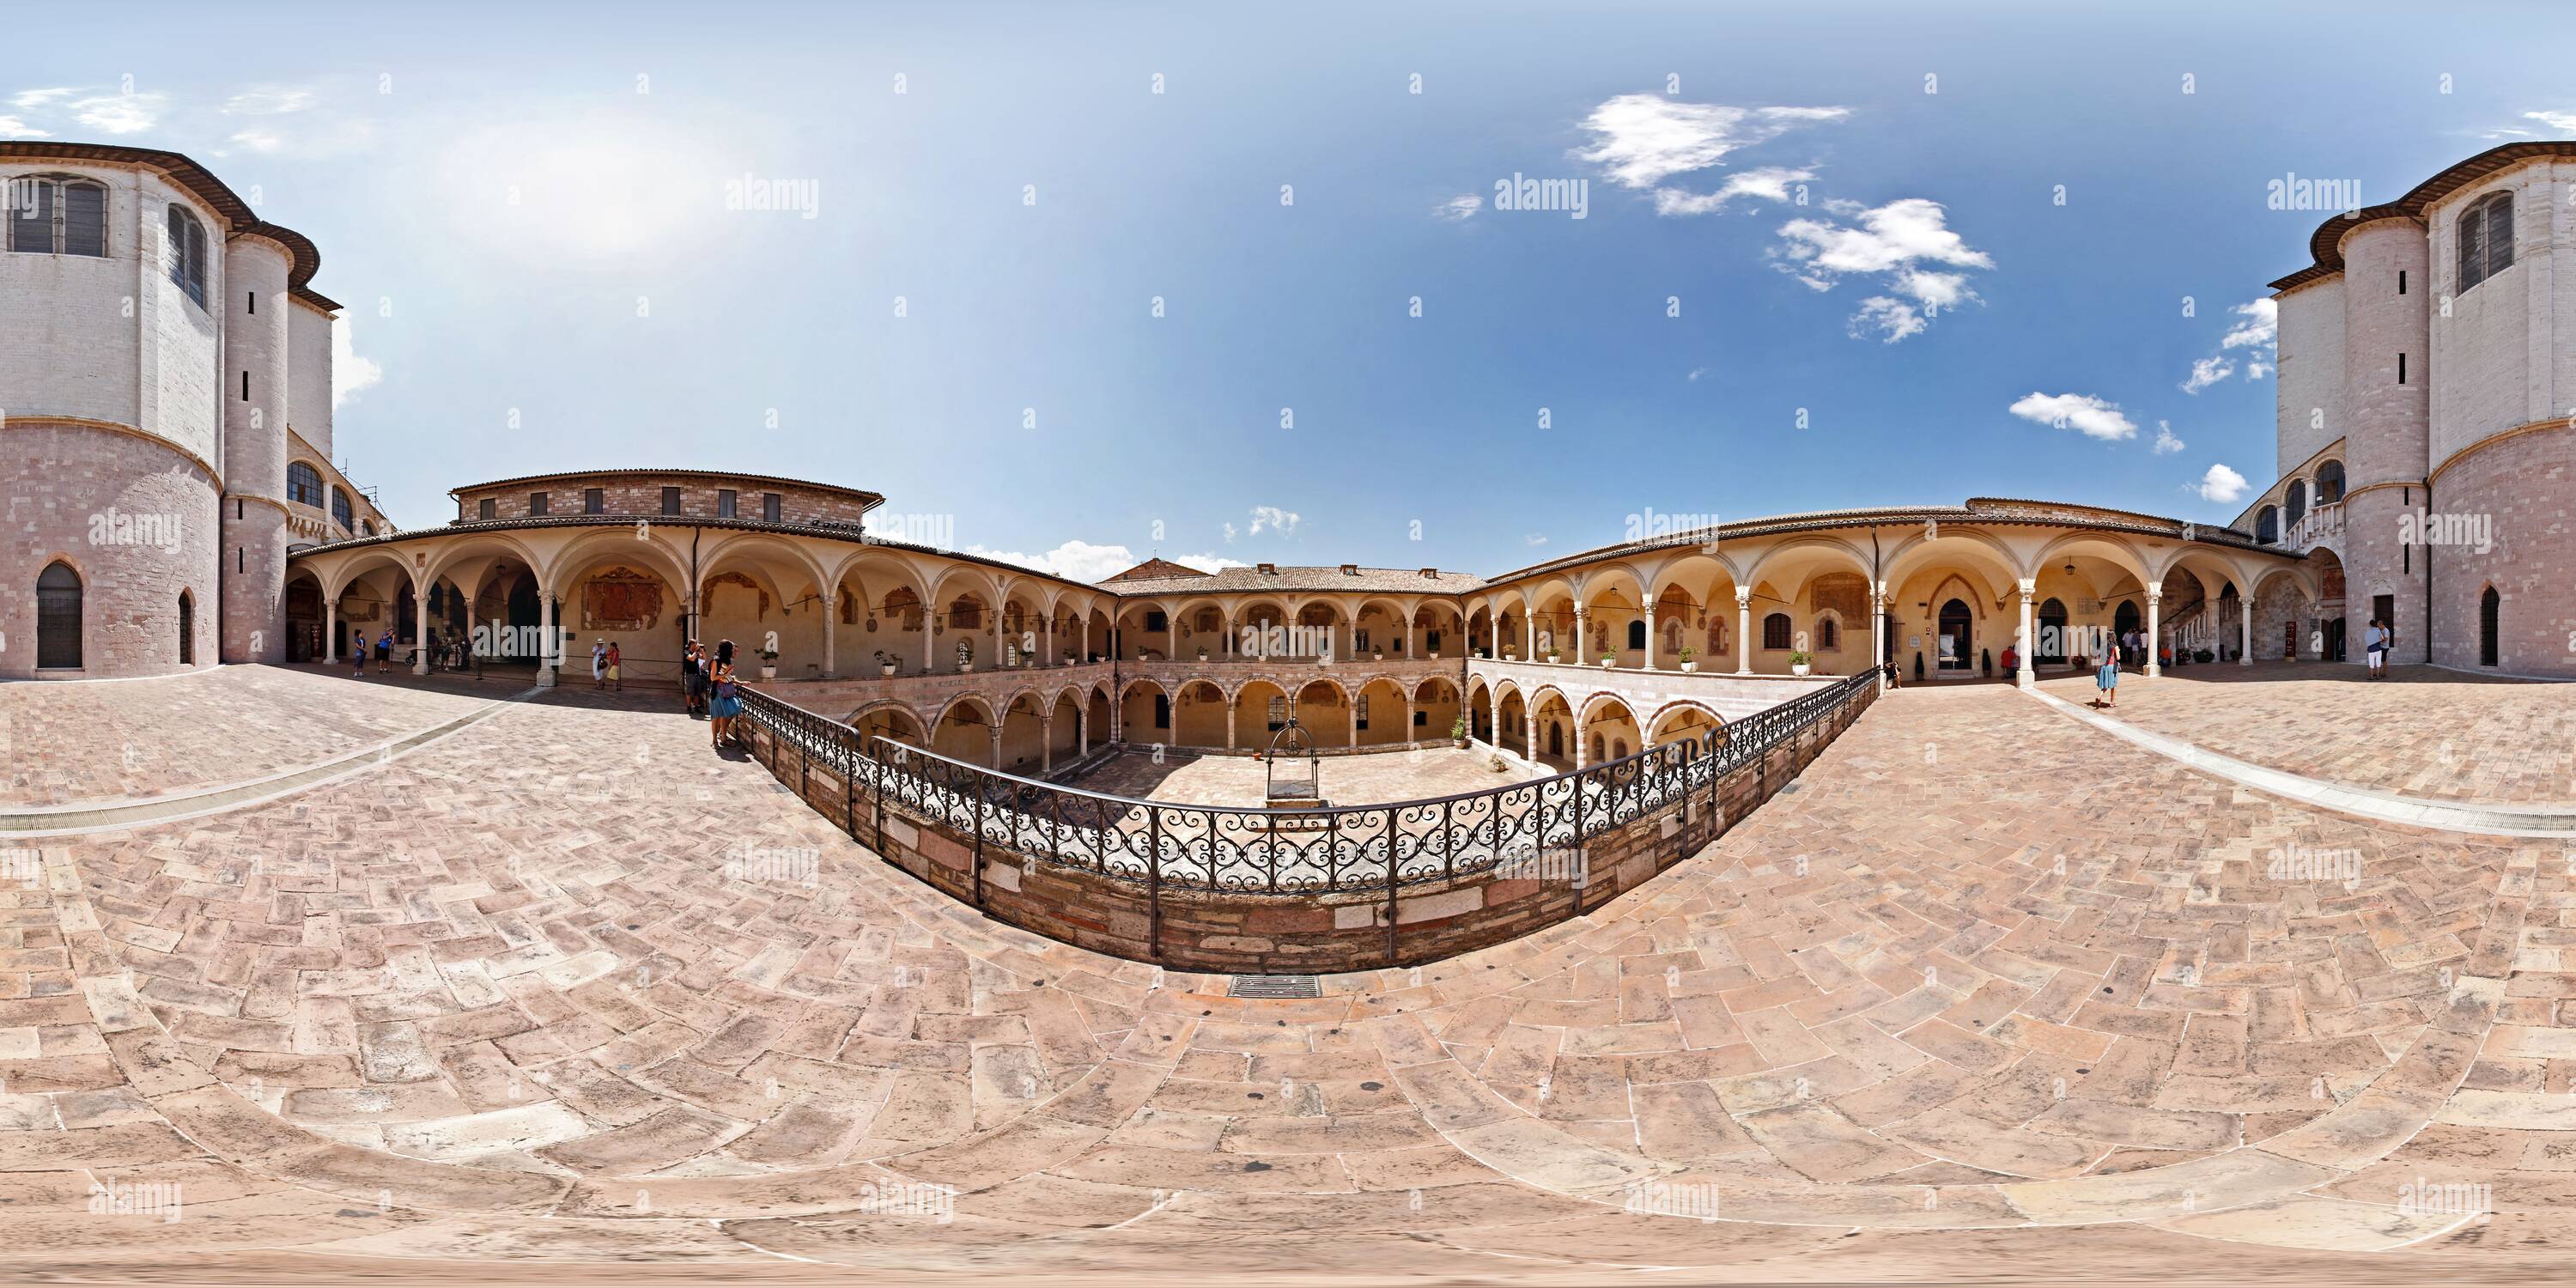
(303, 484)
(2330, 483)
(2051, 646)
(371, 527)
(187, 254)
(340, 512)
(1829, 634)
(1775, 631)
(2267, 526)
(2490, 614)
(1637, 633)
(56, 215)
(58, 618)
(187, 629)
(2294, 503)
(2486, 239)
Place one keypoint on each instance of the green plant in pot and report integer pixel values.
(1799, 660)
(1689, 653)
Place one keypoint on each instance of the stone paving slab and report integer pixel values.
(1367, 779)
(73, 743)
(569, 984)
(2425, 731)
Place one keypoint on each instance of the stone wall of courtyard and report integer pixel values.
(1260, 933)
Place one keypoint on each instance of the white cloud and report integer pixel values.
(2166, 443)
(1534, 539)
(269, 100)
(2206, 372)
(350, 374)
(1897, 243)
(258, 140)
(1229, 534)
(1770, 183)
(2084, 413)
(1085, 562)
(1458, 209)
(2563, 122)
(1893, 319)
(119, 113)
(34, 98)
(1283, 522)
(2258, 330)
(1639, 140)
(2221, 484)
(1695, 374)
(14, 128)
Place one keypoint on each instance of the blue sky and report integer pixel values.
(525, 210)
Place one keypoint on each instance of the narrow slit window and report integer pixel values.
(2401, 368)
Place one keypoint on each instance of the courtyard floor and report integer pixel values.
(2425, 731)
(539, 1000)
(1371, 779)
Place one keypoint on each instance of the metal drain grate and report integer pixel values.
(1274, 987)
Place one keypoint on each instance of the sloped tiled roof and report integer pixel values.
(1286, 579)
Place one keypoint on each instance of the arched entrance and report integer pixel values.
(1958, 639)
(58, 618)
(2490, 620)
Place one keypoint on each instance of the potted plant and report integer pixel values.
(1798, 660)
(769, 664)
(1551, 657)
(2203, 655)
(1511, 655)
(1687, 654)
(885, 662)
(1377, 655)
(1609, 660)
(1202, 655)
(1458, 732)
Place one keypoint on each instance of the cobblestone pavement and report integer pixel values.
(1346, 780)
(1987, 989)
(75, 743)
(2424, 732)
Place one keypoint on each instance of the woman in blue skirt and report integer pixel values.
(2106, 677)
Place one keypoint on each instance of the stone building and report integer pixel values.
(165, 390)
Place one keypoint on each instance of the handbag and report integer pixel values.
(724, 687)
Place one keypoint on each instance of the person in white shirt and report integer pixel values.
(2374, 642)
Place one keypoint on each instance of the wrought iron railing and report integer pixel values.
(1282, 851)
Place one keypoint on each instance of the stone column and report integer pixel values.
(831, 614)
(1085, 654)
(1650, 628)
(1580, 728)
(997, 746)
(1744, 630)
(997, 662)
(549, 647)
(1582, 642)
(1529, 714)
(1231, 706)
(2245, 632)
(2155, 601)
(2024, 677)
(929, 636)
(1878, 631)
(1082, 724)
(1046, 747)
(330, 630)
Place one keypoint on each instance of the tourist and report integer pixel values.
(385, 650)
(2012, 656)
(724, 701)
(2106, 677)
(612, 670)
(358, 654)
(693, 677)
(599, 663)
(2374, 643)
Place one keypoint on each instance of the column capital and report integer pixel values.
(1744, 596)
(2029, 586)
(2155, 591)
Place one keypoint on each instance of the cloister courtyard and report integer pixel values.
(318, 978)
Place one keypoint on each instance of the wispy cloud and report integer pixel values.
(2166, 443)
(1771, 183)
(1640, 140)
(12, 127)
(2221, 484)
(1272, 518)
(32, 99)
(2258, 331)
(120, 113)
(1082, 561)
(270, 100)
(2087, 415)
(1534, 539)
(350, 374)
(1906, 244)
(1458, 209)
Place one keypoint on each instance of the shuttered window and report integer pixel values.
(188, 254)
(2486, 239)
(50, 215)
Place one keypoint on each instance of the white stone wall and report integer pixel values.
(2500, 360)
(2311, 379)
(308, 375)
(180, 359)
